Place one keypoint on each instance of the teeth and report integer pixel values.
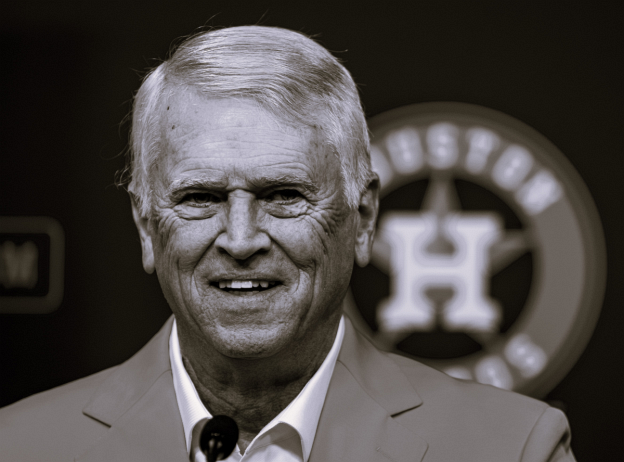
(239, 284)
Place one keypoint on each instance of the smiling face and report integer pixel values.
(250, 233)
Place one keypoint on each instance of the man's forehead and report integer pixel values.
(188, 102)
(188, 116)
(228, 142)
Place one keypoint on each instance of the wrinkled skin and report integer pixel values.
(240, 196)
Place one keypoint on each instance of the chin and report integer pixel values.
(252, 343)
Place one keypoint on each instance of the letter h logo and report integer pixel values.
(416, 269)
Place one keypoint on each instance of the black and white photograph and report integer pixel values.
(254, 231)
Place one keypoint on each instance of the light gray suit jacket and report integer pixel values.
(379, 407)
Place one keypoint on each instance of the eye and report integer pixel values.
(201, 199)
(284, 195)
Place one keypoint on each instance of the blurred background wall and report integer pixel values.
(70, 68)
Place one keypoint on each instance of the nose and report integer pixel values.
(242, 237)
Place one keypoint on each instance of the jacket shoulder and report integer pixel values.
(465, 411)
(436, 386)
(52, 420)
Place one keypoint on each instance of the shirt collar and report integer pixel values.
(302, 413)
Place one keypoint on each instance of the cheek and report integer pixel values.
(300, 240)
(313, 246)
(340, 249)
(181, 243)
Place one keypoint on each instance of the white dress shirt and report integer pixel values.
(287, 438)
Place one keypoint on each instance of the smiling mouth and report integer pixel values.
(245, 287)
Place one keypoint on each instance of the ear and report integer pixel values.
(367, 219)
(142, 224)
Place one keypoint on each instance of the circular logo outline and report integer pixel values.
(551, 332)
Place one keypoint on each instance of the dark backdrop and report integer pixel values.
(69, 69)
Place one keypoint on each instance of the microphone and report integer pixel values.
(218, 438)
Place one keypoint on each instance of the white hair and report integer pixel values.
(288, 74)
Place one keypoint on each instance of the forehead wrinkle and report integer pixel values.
(203, 147)
(183, 118)
(265, 143)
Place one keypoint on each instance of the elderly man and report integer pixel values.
(253, 196)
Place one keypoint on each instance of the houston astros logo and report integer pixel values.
(489, 258)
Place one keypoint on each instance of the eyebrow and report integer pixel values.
(267, 182)
(260, 183)
(196, 182)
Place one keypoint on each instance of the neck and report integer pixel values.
(254, 391)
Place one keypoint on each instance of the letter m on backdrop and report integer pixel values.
(19, 265)
(32, 255)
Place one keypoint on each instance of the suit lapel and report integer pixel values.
(138, 402)
(366, 390)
